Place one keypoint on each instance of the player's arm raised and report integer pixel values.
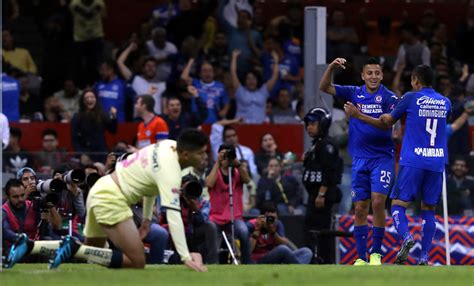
(325, 84)
(385, 121)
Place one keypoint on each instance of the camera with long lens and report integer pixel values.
(75, 176)
(47, 194)
(91, 179)
(191, 187)
(50, 186)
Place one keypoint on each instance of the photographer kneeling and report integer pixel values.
(201, 234)
(268, 242)
(218, 183)
(18, 214)
(28, 214)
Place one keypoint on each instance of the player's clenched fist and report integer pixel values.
(339, 62)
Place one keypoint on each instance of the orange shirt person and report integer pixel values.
(153, 128)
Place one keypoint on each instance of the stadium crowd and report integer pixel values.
(228, 66)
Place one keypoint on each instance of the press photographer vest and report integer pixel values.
(29, 225)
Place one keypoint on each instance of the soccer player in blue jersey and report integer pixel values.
(423, 156)
(211, 91)
(372, 153)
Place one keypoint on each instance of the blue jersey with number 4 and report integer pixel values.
(425, 142)
(366, 141)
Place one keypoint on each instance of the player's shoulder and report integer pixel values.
(386, 92)
(166, 144)
(442, 97)
(352, 88)
(165, 147)
(410, 95)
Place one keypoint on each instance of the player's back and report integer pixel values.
(148, 171)
(425, 142)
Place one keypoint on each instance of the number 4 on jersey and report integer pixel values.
(431, 130)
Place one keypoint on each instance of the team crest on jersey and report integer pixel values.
(176, 191)
(353, 194)
(148, 133)
(114, 87)
(378, 99)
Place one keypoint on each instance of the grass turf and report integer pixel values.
(246, 275)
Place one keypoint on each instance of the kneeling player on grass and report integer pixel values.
(423, 156)
(154, 170)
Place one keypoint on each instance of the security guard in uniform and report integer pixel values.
(321, 174)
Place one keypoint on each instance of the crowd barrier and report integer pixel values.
(289, 137)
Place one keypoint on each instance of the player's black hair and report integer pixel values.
(372, 61)
(191, 140)
(424, 74)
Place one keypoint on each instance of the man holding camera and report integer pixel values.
(223, 131)
(201, 233)
(29, 220)
(219, 190)
(18, 213)
(268, 242)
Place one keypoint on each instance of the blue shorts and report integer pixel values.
(413, 181)
(371, 176)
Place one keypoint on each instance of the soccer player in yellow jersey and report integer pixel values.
(152, 171)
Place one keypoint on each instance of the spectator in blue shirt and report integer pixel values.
(211, 91)
(252, 97)
(242, 38)
(288, 66)
(10, 98)
(111, 90)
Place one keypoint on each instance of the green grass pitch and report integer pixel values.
(245, 275)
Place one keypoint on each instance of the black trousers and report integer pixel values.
(318, 219)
